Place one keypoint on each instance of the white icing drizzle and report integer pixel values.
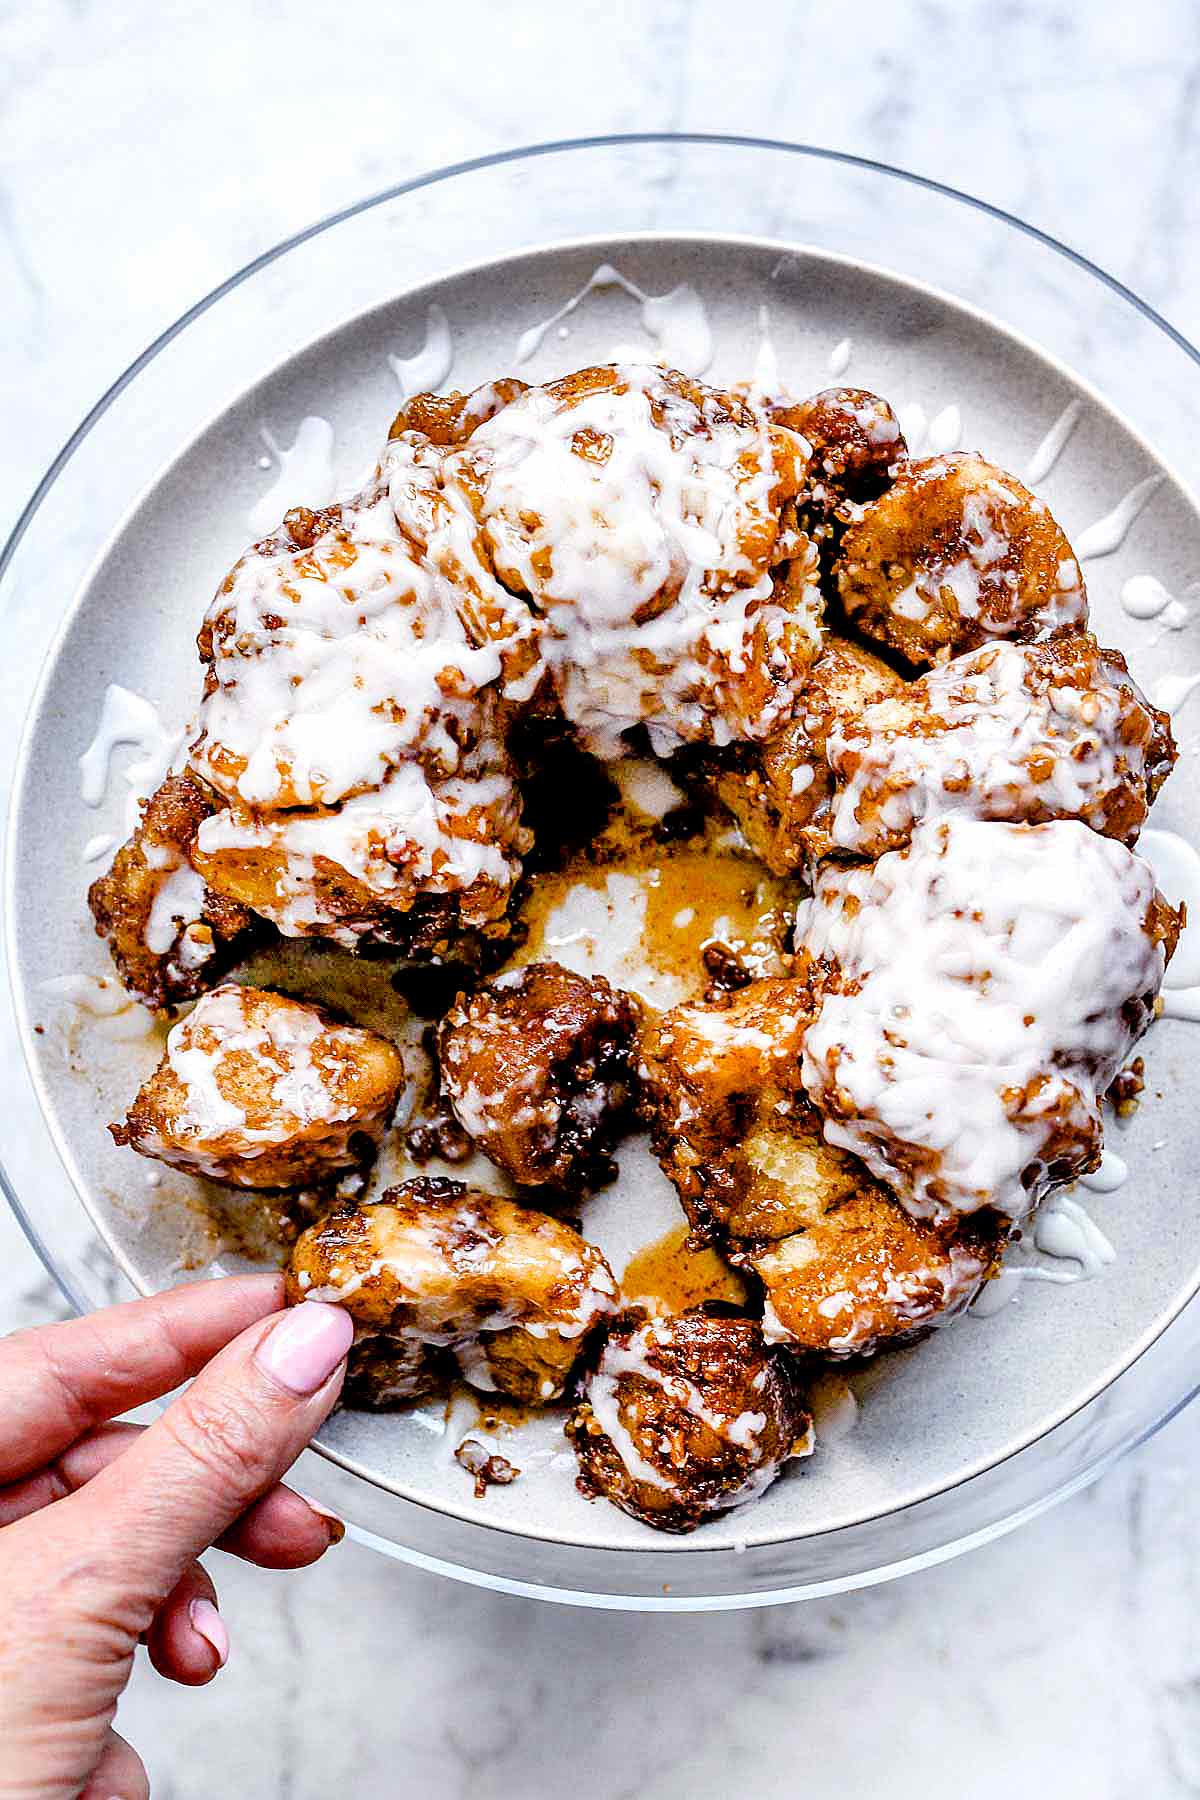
(945, 431)
(1062, 1228)
(1065, 1232)
(974, 562)
(988, 966)
(1171, 691)
(98, 846)
(281, 1049)
(356, 676)
(357, 672)
(1053, 444)
(243, 1054)
(100, 995)
(103, 998)
(646, 787)
(127, 718)
(677, 321)
(404, 837)
(603, 1394)
(320, 706)
(619, 1360)
(996, 1294)
(839, 357)
(1176, 868)
(1001, 732)
(605, 276)
(1112, 1174)
(764, 382)
(178, 902)
(305, 475)
(1182, 1003)
(1110, 532)
(650, 560)
(1145, 597)
(428, 369)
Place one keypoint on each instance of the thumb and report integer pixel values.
(225, 1441)
(84, 1578)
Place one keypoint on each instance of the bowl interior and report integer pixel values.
(929, 1416)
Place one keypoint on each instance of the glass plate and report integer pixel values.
(399, 241)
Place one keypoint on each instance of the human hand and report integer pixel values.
(101, 1524)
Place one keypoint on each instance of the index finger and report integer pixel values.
(59, 1381)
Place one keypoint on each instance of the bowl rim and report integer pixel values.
(525, 153)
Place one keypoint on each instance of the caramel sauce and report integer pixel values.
(726, 896)
(641, 912)
(668, 1272)
(500, 1413)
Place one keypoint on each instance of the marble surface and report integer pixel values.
(145, 151)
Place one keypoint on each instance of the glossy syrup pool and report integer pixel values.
(636, 906)
(671, 1275)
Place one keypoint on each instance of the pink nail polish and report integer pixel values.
(208, 1624)
(306, 1346)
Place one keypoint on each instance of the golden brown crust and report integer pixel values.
(352, 721)
(861, 1273)
(855, 439)
(443, 927)
(707, 1071)
(1025, 733)
(256, 1090)
(685, 1417)
(1164, 923)
(254, 877)
(511, 1295)
(844, 1266)
(779, 794)
(449, 419)
(954, 553)
(537, 1067)
(203, 940)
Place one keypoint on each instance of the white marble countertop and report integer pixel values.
(148, 148)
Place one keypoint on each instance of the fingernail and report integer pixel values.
(208, 1624)
(335, 1526)
(306, 1346)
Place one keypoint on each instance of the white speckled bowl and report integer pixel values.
(941, 304)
